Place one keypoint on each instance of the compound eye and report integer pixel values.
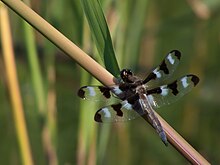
(125, 73)
(129, 72)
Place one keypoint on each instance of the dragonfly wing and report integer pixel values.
(165, 69)
(95, 93)
(123, 111)
(167, 94)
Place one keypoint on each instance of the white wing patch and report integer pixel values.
(165, 91)
(184, 82)
(91, 91)
(127, 105)
(116, 90)
(170, 59)
(106, 112)
(158, 74)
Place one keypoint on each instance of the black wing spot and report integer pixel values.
(163, 67)
(155, 90)
(173, 87)
(177, 53)
(105, 91)
(97, 117)
(117, 108)
(195, 79)
(151, 76)
(81, 93)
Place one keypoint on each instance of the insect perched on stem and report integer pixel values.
(139, 96)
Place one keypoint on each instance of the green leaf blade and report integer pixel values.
(101, 34)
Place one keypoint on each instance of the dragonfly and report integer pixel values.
(140, 97)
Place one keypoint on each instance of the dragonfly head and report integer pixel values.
(126, 75)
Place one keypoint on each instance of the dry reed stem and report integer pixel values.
(18, 113)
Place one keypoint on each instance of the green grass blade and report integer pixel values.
(101, 34)
(37, 78)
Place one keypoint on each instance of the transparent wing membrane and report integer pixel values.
(167, 94)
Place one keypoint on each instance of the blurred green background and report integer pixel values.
(143, 32)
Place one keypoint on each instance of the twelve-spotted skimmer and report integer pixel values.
(138, 96)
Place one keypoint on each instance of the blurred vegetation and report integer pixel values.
(142, 31)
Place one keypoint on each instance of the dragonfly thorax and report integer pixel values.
(141, 89)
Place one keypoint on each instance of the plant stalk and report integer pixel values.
(9, 60)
